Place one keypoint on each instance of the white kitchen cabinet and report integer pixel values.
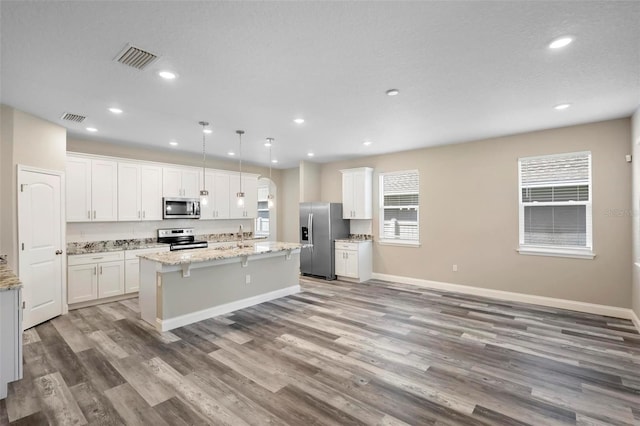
(91, 189)
(78, 189)
(139, 192)
(110, 279)
(250, 189)
(82, 283)
(353, 260)
(129, 192)
(181, 182)
(132, 267)
(217, 183)
(151, 192)
(357, 193)
(10, 338)
(95, 276)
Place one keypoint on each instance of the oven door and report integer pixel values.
(180, 208)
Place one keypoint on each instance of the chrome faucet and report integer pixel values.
(241, 243)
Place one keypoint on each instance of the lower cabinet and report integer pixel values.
(94, 276)
(10, 338)
(354, 260)
(132, 267)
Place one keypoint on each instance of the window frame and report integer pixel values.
(585, 252)
(396, 241)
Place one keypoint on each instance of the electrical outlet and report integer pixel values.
(455, 268)
(247, 279)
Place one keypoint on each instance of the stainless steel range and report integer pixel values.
(180, 239)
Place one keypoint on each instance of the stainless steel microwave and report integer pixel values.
(180, 208)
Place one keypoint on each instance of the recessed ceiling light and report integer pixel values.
(392, 92)
(274, 161)
(298, 120)
(167, 75)
(91, 129)
(231, 153)
(207, 131)
(310, 154)
(560, 42)
(173, 143)
(115, 110)
(560, 107)
(367, 143)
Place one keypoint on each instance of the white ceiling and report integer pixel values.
(465, 71)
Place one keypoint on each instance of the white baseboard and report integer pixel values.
(591, 308)
(179, 321)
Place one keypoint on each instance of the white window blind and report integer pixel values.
(399, 201)
(555, 201)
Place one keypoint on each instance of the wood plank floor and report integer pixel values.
(337, 353)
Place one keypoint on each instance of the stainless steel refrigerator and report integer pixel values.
(320, 225)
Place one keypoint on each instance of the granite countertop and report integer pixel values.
(356, 238)
(112, 245)
(206, 254)
(8, 280)
(144, 243)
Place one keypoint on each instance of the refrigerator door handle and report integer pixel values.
(311, 230)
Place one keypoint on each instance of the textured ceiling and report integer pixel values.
(465, 71)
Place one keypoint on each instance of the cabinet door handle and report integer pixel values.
(101, 270)
(94, 214)
(144, 214)
(138, 214)
(95, 270)
(88, 214)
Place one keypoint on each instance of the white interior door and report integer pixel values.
(40, 240)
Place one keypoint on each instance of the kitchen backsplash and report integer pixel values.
(360, 226)
(99, 231)
(360, 237)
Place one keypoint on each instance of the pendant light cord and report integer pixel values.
(204, 155)
(240, 133)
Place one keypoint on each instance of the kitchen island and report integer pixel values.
(182, 287)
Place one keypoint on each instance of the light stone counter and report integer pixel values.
(104, 246)
(182, 257)
(8, 279)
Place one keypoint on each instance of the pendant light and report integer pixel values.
(204, 194)
(270, 198)
(240, 194)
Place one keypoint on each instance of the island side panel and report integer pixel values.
(218, 289)
(148, 291)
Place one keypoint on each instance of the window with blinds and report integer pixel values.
(555, 201)
(399, 205)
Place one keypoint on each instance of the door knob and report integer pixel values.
(58, 251)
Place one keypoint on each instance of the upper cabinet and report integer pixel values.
(139, 192)
(181, 182)
(91, 189)
(217, 183)
(250, 189)
(117, 189)
(357, 200)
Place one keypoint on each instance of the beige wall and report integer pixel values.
(6, 180)
(309, 181)
(290, 204)
(635, 210)
(469, 215)
(29, 141)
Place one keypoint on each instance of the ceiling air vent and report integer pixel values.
(73, 117)
(136, 58)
